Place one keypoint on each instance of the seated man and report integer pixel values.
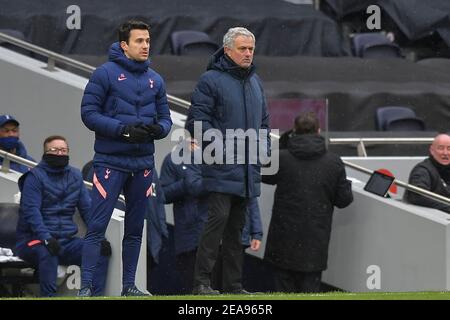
(46, 231)
(9, 141)
(432, 174)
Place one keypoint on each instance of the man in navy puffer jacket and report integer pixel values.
(228, 96)
(125, 104)
(51, 192)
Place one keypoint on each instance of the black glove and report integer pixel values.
(153, 130)
(135, 133)
(52, 246)
(105, 248)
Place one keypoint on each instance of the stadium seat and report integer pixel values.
(398, 119)
(374, 45)
(192, 43)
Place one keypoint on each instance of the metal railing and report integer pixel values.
(53, 57)
(362, 142)
(407, 186)
(8, 157)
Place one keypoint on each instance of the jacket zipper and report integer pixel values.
(246, 192)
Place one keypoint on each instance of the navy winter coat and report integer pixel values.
(182, 186)
(229, 97)
(253, 229)
(156, 219)
(49, 199)
(124, 92)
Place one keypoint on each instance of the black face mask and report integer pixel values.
(56, 161)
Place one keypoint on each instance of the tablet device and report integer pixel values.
(379, 184)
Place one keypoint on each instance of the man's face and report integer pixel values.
(9, 129)
(138, 45)
(242, 51)
(440, 149)
(57, 147)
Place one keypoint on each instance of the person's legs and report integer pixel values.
(219, 205)
(137, 189)
(185, 263)
(232, 253)
(107, 187)
(309, 282)
(216, 274)
(71, 255)
(284, 280)
(47, 265)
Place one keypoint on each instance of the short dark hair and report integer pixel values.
(125, 28)
(306, 122)
(54, 137)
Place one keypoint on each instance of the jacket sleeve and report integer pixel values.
(202, 105)
(94, 97)
(163, 111)
(193, 180)
(273, 178)
(344, 194)
(30, 205)
(256, 230)
(265, 120)
(171, 181)
(421, 177)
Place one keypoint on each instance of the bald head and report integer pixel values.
(440, 149)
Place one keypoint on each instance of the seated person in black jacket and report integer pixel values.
(432, 174)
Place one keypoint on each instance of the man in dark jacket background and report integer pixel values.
(310, 182)
(51, 192)
(228, 96)
(125, 104)
(432, 174)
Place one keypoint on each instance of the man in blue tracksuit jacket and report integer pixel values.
(46, 232)
(125, 104)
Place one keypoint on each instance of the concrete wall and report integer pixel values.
(380, 244)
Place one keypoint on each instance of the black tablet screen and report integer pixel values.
(379, 183)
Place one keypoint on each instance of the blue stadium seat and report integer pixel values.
(192, 43)
(374, 45)
(393, 118)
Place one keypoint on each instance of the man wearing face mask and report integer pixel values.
(9, 142)
(432, 174)
(51, 192)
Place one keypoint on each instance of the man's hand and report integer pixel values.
(52, 246)
(135, 134)
(153, 130)
(255, 244)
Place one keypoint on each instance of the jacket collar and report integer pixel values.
(221, 62)
(117, 55)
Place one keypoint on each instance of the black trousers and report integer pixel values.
(184, 263)
(226, 219)
(297, 281)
